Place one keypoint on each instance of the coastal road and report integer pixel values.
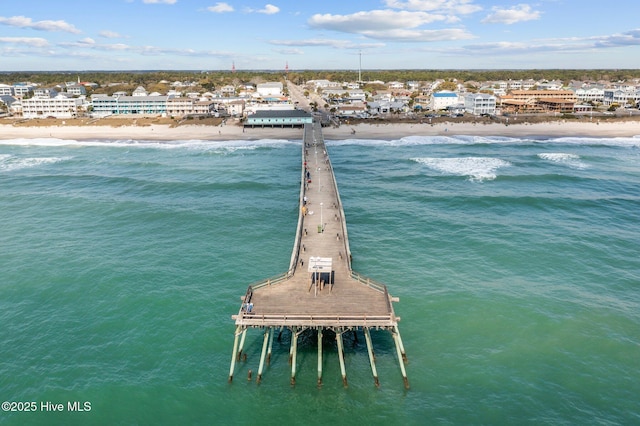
(297, 97)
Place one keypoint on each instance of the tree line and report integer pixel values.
(212, 80)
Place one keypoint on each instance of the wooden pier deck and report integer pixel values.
(320, 291)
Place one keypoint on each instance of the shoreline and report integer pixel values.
(378, 131)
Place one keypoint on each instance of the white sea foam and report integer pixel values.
(10, 163)
(474, 140)
(426, 140)
(195, 144)
(570, 160)
(477, 169)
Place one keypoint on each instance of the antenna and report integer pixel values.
(360, 68)
(233, 67)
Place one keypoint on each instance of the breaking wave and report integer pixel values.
(477, 169)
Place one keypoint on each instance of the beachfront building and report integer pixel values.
(422, 102)
(204, 107)
(190, 106)
(480, 103)
(621, 97)
(538, 95)
(538, 101)
(129, 105)
(591, 94)
(386, 107)
(235, 107)
(180, 106)
(359, 111)
(58, 107)
(441, 100)
(278, 118)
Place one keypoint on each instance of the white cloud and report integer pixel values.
(518, 13)
(29, 41)
(463, 7)
(629, 38)
(109, 34)
(321, 42)
(220, 8)
(268, 9)
(390, 25)
(569, 45)
(47, 25)
(291, 51)
(90, 44)
(375, 20)
(159, 1)
(420, 35)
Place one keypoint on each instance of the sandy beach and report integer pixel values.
(388, 131)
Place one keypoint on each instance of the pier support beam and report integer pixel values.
(293, 336)
(400, 360)
(341, 357)
(273, 332)
(268, 332)
(294, 354)
(319, 357)
(404, 355)
(242, 339)
(234, 355)
(372, 357)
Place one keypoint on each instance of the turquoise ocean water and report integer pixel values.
(516, 261)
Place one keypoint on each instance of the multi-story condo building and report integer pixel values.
(480, 103)
(59, 107)
(620, 97)
(592, 94)
(441, 100)
(539, 100)
(204, 107)
(45, 92)
(269, 89)
(22, 89)
(543, 94)
(180, 106)
(6, 90)
(125, 105)
(187, 106)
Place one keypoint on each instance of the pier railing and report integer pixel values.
(269, 281)
(322, 320)
(295, 254)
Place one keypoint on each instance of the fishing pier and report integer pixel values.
(320, 293)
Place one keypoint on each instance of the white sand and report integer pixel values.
(362, 131)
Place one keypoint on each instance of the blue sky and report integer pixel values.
(53, 35)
